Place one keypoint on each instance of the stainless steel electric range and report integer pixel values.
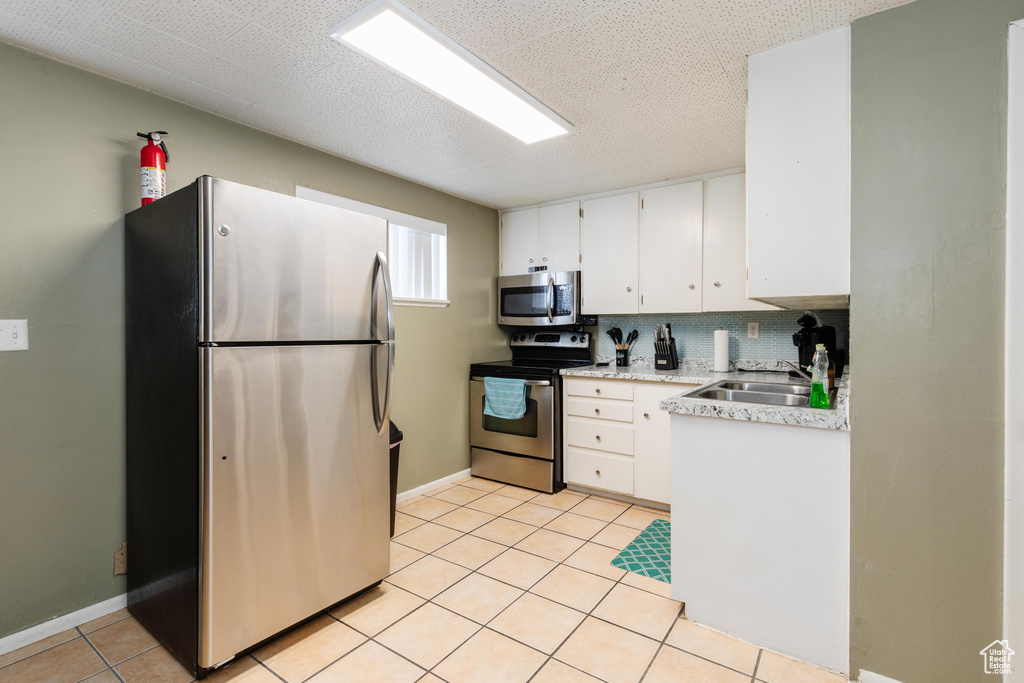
(526, 452)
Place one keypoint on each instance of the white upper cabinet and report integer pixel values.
(559, 236)
(609, 245)
(671, 236)
(725, 237)
(518, 242)
(798, 173)
(549, 236)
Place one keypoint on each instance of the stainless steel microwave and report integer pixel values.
(539, 299)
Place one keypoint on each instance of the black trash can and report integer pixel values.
(396, 442)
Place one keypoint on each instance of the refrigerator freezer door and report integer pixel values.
(295, 493)
(280, 269)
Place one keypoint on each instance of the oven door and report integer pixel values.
(533, 434)
(540, 299)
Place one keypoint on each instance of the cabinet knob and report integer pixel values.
(693, 287)
(598, 437)
(531, 260)
(718, 284)
(597, 472)
(647, 416)
(629, 289)
(597, 391)
(545, 259)
(597, 411)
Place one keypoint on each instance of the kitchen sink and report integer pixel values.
(769, 387)
(765, 393)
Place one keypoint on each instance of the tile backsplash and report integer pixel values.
(695, 333)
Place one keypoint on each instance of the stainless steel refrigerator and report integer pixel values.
(260, 354)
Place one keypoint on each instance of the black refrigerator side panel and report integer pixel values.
(162, 419)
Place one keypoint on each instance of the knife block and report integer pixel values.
(665, 355)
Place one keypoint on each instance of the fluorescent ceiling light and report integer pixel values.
(388, 32)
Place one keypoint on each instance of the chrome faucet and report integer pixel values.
(798, 369)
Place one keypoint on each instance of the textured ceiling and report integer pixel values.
(655, 88)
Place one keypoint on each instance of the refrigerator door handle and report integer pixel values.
(380, 268)
(381, 415)
(387, 388)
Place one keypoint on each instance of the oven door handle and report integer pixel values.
(551, 299)
(529, 382)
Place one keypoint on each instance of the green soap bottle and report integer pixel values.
(819, 378)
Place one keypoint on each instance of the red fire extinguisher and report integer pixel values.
(154, 166)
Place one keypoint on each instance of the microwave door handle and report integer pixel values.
(551, 299)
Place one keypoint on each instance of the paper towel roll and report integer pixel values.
(721, 350)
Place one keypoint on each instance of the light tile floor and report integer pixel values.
(489, 584)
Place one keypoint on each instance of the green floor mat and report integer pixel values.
(649, 554)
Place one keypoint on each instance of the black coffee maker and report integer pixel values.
(812, 333)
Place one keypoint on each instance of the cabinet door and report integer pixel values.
(609, 246)
(518, 242)
(672, 230)
(725, 246)
(651, 480)
(798, 172)
(558, 236)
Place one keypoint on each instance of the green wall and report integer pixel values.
(929, 120)
(68, 173)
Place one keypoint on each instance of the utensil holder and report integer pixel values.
(665, 355)
(622, 358)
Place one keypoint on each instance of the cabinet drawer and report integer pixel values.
(601, 435)
(599, 470)
(599, 388)
(621, 411)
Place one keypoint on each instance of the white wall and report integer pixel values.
(1013, 529)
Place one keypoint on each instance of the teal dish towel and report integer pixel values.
(504, 398)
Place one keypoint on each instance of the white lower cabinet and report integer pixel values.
(651, 472)
(616, 438)
(596, 470)
(600, 435)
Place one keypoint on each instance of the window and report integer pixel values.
(418, 261)
(417, 250)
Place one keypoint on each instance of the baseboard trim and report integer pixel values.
(420, 490)
(52, 627)
(869, 677)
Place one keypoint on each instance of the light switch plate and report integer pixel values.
(13, 335)
(753, 330)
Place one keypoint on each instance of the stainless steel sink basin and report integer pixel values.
(766, 393)
(769, 387)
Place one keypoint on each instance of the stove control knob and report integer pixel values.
(573, 338)
(515, 338)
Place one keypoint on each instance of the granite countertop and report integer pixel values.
(698, 371)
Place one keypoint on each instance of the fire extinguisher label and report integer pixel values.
(153, 182)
